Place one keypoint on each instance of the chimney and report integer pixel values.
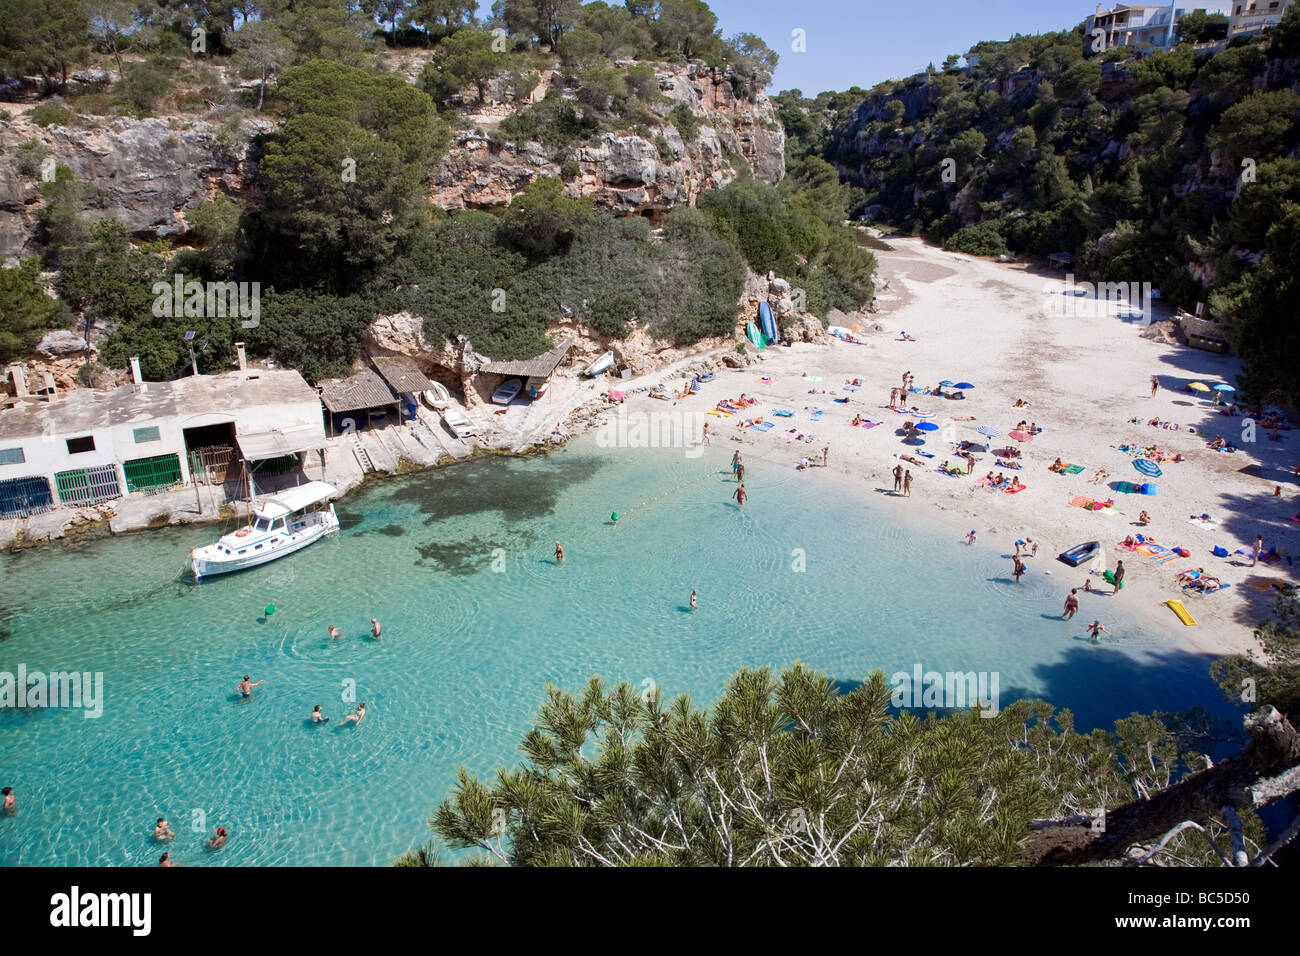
(135, 370)
(240, 357)
(18, 376)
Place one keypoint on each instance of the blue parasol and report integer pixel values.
(1224, 388)
(988, 431)
(1147, 467)
(927, 427)
(963, 385)
(945, 384)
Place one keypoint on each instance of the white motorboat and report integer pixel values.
(507, 392)
(600, 365)
(461, 425)
(280, 524)
(437, 398)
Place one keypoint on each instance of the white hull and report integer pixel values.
(248, 548)
(600, 365)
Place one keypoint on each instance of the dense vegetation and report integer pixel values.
(1174, 167)
(343, 230)
(795, 771)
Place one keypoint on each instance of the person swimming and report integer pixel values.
(162, 831)
(334, 633)
(357, 717)
(219, 840)
(694, 605)
(374, 628)
(559, 553)
(10, 804)
(1096, 629)
(316, 716)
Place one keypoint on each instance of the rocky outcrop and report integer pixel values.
(145, 172)
(624, 172)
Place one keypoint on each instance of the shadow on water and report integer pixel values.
(519, 490)
(461, 557)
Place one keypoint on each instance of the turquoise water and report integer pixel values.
(467, 649)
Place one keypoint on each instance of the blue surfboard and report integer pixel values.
(767, 320)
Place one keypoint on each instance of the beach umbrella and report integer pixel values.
(1224, 388)
(946, 384)
(988, 431)
(1147, 467)
(1021, 436)
(1199, 387)
(920, 414)
(927, 427)
(963, 385)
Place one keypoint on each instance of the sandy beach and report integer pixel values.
(1085, 376)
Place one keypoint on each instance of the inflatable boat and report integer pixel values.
(1080, 553)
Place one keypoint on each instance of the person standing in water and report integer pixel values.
(735, 459)
(374, 628)
(246, 686)
(10, 804)
(1096, 629)
(740, 495)
(316, 716)
(1017, 568)
(166, 859)
(1071, 603)
(559, 553)
(907, 483)
(334, 633)
(693, 604)
(162, 831)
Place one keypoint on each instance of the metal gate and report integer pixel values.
(152, 474)
(23, 497)
(212, 463)
(88, 486)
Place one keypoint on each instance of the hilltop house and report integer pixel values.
(1251, 16)
(88, 446)
(1131, 25)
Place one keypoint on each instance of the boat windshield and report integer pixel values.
(262, 524)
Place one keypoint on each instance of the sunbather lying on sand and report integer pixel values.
(1206, 584)
(1190, 575)
(1098, 476)
(1057, 465)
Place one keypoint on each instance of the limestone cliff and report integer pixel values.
(624, 172)
(148, 172)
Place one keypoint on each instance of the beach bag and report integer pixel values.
(1219, 551)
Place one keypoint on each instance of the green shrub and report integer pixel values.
(146, 84)
(686, 122)
(28, 156)
(980, 239)
(48, 114)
